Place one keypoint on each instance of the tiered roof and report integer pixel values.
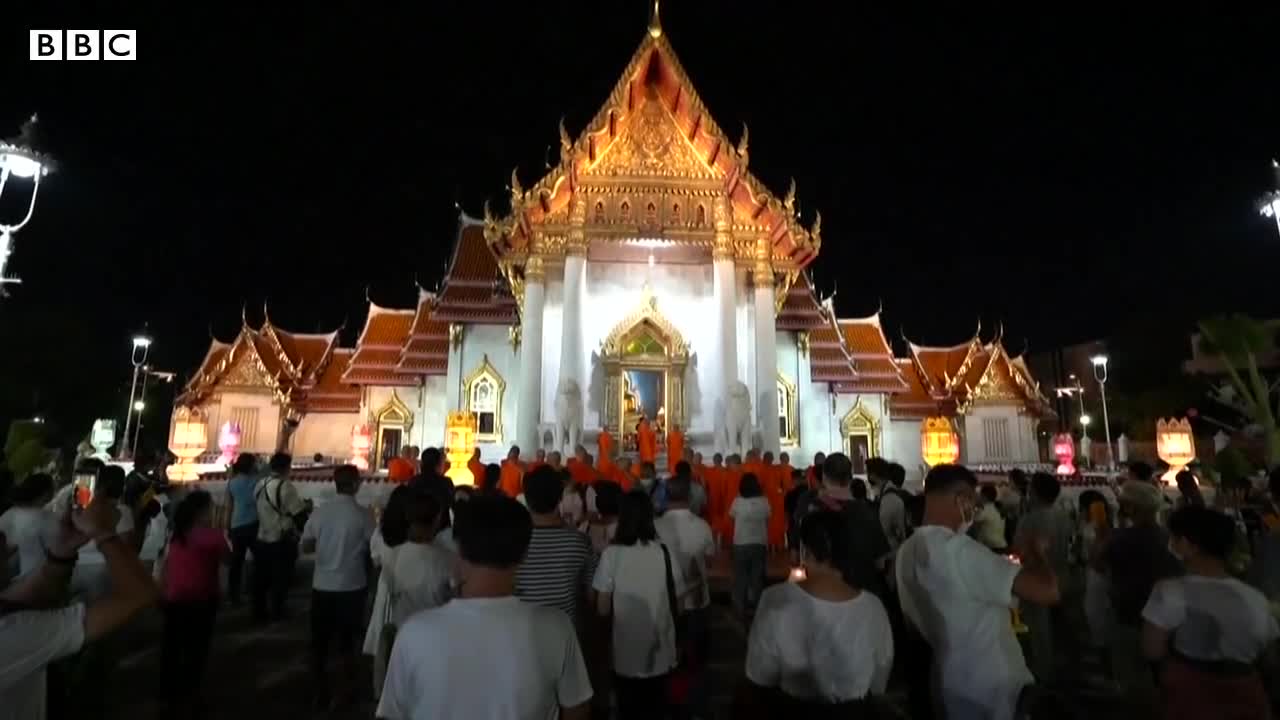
(474, 290)
(955, 378)
(377, 355)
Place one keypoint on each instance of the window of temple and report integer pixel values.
(599, 212)
(995, 435)
(787, 424)
(624, 212)
(393, 421)
(675, 213)
(247, 419)
(483, 390)
(651, 214)
(700, 218)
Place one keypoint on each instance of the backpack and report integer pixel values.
(912, 505)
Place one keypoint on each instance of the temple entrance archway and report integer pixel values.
(644, 359)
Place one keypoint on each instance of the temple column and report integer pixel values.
(529, 402)
(724, 290)
(766, 342)
(575, 271)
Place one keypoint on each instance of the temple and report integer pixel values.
(648, 274)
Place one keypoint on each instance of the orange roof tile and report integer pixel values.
(800, 309)
(474, 289)
(427, 350)
(331, 393)
(377, 352)
(829, 362)
(871, 355)
(916, 401)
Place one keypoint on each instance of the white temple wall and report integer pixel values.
(795, 368)
(429, 421)
(998, 434)
(819, 430)
(552, 322)
(257, 409)
(493, 342)
(326, 433)
(902, 445)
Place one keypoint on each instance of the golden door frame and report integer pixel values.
(618, 352)
(394, 415)
(860, 422)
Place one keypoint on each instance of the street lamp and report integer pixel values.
(19, 159)
(141, 403)
(139, 406)
(1270, 206)
(1100, 374)
(141, 346)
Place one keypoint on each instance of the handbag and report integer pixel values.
(680, 678)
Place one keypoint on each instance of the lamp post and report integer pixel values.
(1270, 206)
(141, 346)
(18, 159)
(141, 403)
(1100, 374)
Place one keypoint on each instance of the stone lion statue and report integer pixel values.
(733, 434)
(568, 425)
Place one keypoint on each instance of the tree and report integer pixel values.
(1238, 341)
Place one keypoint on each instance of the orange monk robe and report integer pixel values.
(675, 449)
(647, 441)
(620, 476)
(771, 484)
(731, 483)
(582, 473)
(477, 470)
(604, 447)
(713, 477)
(811, 477)
(512, 478)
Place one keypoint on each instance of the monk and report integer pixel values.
(604, 447)
(675, 447)
(580, 468)
(512, 478)
(773, 482)
(402, 467)
(646, 441)
(539, 459)
(733, 472)
(477, 468)
(553, 460)
(713, 476)
(813, 476)
(621, 473)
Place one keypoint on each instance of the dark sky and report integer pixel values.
(1067, 173)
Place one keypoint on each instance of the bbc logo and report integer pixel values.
(84, 44)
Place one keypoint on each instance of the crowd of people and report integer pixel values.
(583, 588)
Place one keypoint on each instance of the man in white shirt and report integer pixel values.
(487, 655)
(691, 543)
(32, 637)
(276, 550)
(338, 533)
(90, 579)
(958, 594)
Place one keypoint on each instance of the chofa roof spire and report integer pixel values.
(655, 22)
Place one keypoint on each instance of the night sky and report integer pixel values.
(1067, 175)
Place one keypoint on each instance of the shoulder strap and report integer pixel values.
(672, 606)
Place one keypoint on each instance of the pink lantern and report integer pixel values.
(1064, 449)
(229, 442)
(361, 442)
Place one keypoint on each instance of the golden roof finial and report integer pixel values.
(789, 202)
(655, 23)
(742, 144)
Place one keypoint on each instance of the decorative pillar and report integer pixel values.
(528, 403)
(724, 289)
(766, 343)
(575, 270)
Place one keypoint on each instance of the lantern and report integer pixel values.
(361, 442)
(188, 441)
(229, 442)
(1065, 450)
(102, 438)
(459, 443)
(1175, 445)
(939, 444)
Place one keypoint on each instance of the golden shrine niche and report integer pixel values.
(861, 433)
(643, 345)
(393, 422)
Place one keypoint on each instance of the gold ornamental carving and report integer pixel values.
(534, 270)
(644, 340)
(456, 332)
(514, 335)
(652, 146)
(802, 342)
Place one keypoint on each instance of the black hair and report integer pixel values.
(32, 488)
(1045, 487)
(647, 469)
(144, 460)
(678, 488)
(1209, 530)
(1185, 477)
(421, 509)
(878, 468)
(1140, 470)
(493, 531)
(635, 519)
(395, 523)
(89, 466)
(280, 462)
(750, 486)
(837, 469)
(684, 470)
(492, 476)
(465, 491)
(825, 534)
(188, 509)
(110, 482)
(947, 479)
(897, 474)
(608, 497)
(431, 460)
(1018, 478)
(346, 478)
(543, 489)
(245, 464)
(990, 493)
(858, 488)
(1089, 497)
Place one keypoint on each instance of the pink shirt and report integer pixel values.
(191, 566)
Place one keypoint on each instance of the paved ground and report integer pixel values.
(261, 672)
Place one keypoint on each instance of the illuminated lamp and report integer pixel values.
(188, 441)
(459, 443)
(939, 444)
(1064, 448)
(1175, 445)
(229, 442)
(103, 437)
(361, 442)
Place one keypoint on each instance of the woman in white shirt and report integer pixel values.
(28, 528)
(637, 582)
(818, 645)
(1211, 632)
(750, 513)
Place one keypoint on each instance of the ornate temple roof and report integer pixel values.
(800, 309)
(426, 350)
(873, 360)
(377, 354)
(331, 393)
(955, 378)
(474, 290)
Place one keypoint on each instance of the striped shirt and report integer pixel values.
(558, 569)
